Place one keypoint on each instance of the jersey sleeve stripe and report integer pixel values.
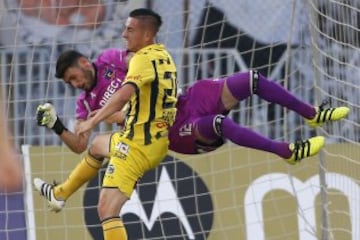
(154, 92)
(132, 121)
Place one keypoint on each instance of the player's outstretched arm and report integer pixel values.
(117, 118)
(115, 104)
(46, 116)
(77, 144)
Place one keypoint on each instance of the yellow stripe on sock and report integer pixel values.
(112, 225)
(93, 162)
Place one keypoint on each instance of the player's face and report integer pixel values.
(79, 77)
(134, 34)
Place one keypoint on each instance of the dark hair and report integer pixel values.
(145, 12)
(66, 59)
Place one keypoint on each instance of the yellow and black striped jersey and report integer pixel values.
(153, 106)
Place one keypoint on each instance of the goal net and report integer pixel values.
(310, 47)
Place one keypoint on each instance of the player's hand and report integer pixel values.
(84, 127)
(46, 115)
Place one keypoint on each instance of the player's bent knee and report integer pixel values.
(97, 152)
(99, 147)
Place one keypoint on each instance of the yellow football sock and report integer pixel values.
(83, 172)
(113, 228)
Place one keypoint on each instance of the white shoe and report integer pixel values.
(47, 191)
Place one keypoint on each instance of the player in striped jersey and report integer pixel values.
(150, 89)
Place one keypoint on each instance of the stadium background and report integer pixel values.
(208, 39)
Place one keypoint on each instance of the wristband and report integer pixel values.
(59, 127)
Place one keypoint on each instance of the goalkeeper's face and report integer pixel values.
(80, 77)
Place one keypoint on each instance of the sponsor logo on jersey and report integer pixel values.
(110, 169)
(123, 148)
(109, 74)
(133, 78)
(121, 151)
(110, 90)
(169, 201)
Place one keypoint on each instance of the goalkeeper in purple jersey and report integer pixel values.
(201, 123)
(98, 80)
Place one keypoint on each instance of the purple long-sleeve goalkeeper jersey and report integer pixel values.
(110, 67)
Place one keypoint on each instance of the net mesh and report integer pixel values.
(310, 47)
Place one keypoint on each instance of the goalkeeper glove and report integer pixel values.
(46, 116)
